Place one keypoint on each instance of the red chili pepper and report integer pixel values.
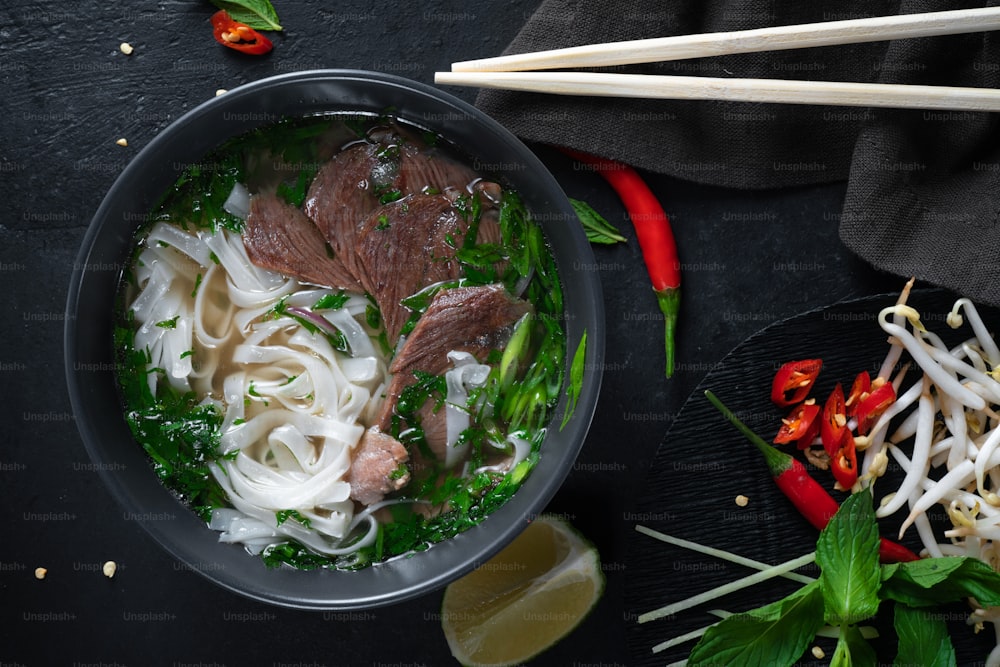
(238, 35)
(801, 425)
(656, 238)
(873, 405)
(834, 423)
(844, 464)
(862, 385)
(809, 498)
(793, 381)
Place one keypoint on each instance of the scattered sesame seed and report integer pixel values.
(126, 48)
(40, 572)
(220, 91)
(818, 653)
(742, 500)
(109, 569)
(122, 142)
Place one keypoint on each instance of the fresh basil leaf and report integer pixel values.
(847, 553)
(923, 639)
(932, 581)
(775, 634)
(258, 14)
(598, 229)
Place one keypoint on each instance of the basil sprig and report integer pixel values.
(851, 587)
(258, 14)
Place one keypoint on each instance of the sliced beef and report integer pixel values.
(375, 467)
(280, 237)
(405, 246)
(341, 197)
(423, 168)
(476, 320)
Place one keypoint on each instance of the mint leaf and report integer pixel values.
(932, 581)
(923, 639)
(775, 634)
(258, 14)
(847, 552)
(598, 229)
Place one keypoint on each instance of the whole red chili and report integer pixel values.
(793, 381)
(656, 238)
(806, 494)
(238, 35)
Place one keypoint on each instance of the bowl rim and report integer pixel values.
(398, 579)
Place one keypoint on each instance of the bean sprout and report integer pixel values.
(948, 446)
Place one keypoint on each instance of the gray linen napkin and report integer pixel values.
(923, 187)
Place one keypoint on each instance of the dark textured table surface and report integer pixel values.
(68, 94)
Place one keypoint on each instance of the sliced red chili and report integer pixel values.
(871, 407)
(801, 425)
(862, 385)
(833, 428)
(238, 35)
(844, 463)
(793, 381)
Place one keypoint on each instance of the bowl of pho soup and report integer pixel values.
(332, 339)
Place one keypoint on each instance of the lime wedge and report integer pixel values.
(525, 599)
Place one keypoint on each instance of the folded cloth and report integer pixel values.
(922, 186)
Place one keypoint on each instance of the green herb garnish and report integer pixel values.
(332, 301)
(851, 588)
(258, 14)
(597, 228)
(284, 515)
(180, 435)
(575, 379)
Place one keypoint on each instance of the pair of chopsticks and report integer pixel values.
(508, 72)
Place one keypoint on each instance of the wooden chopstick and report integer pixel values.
(736, 90)
(827, 33)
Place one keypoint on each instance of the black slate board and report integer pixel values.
(704, 463)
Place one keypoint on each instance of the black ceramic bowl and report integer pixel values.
(122, 462)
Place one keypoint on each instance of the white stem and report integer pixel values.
(719, 553)
(726, 589)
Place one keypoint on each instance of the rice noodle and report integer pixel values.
(466, 374)
(953, 439)
(293, 407)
